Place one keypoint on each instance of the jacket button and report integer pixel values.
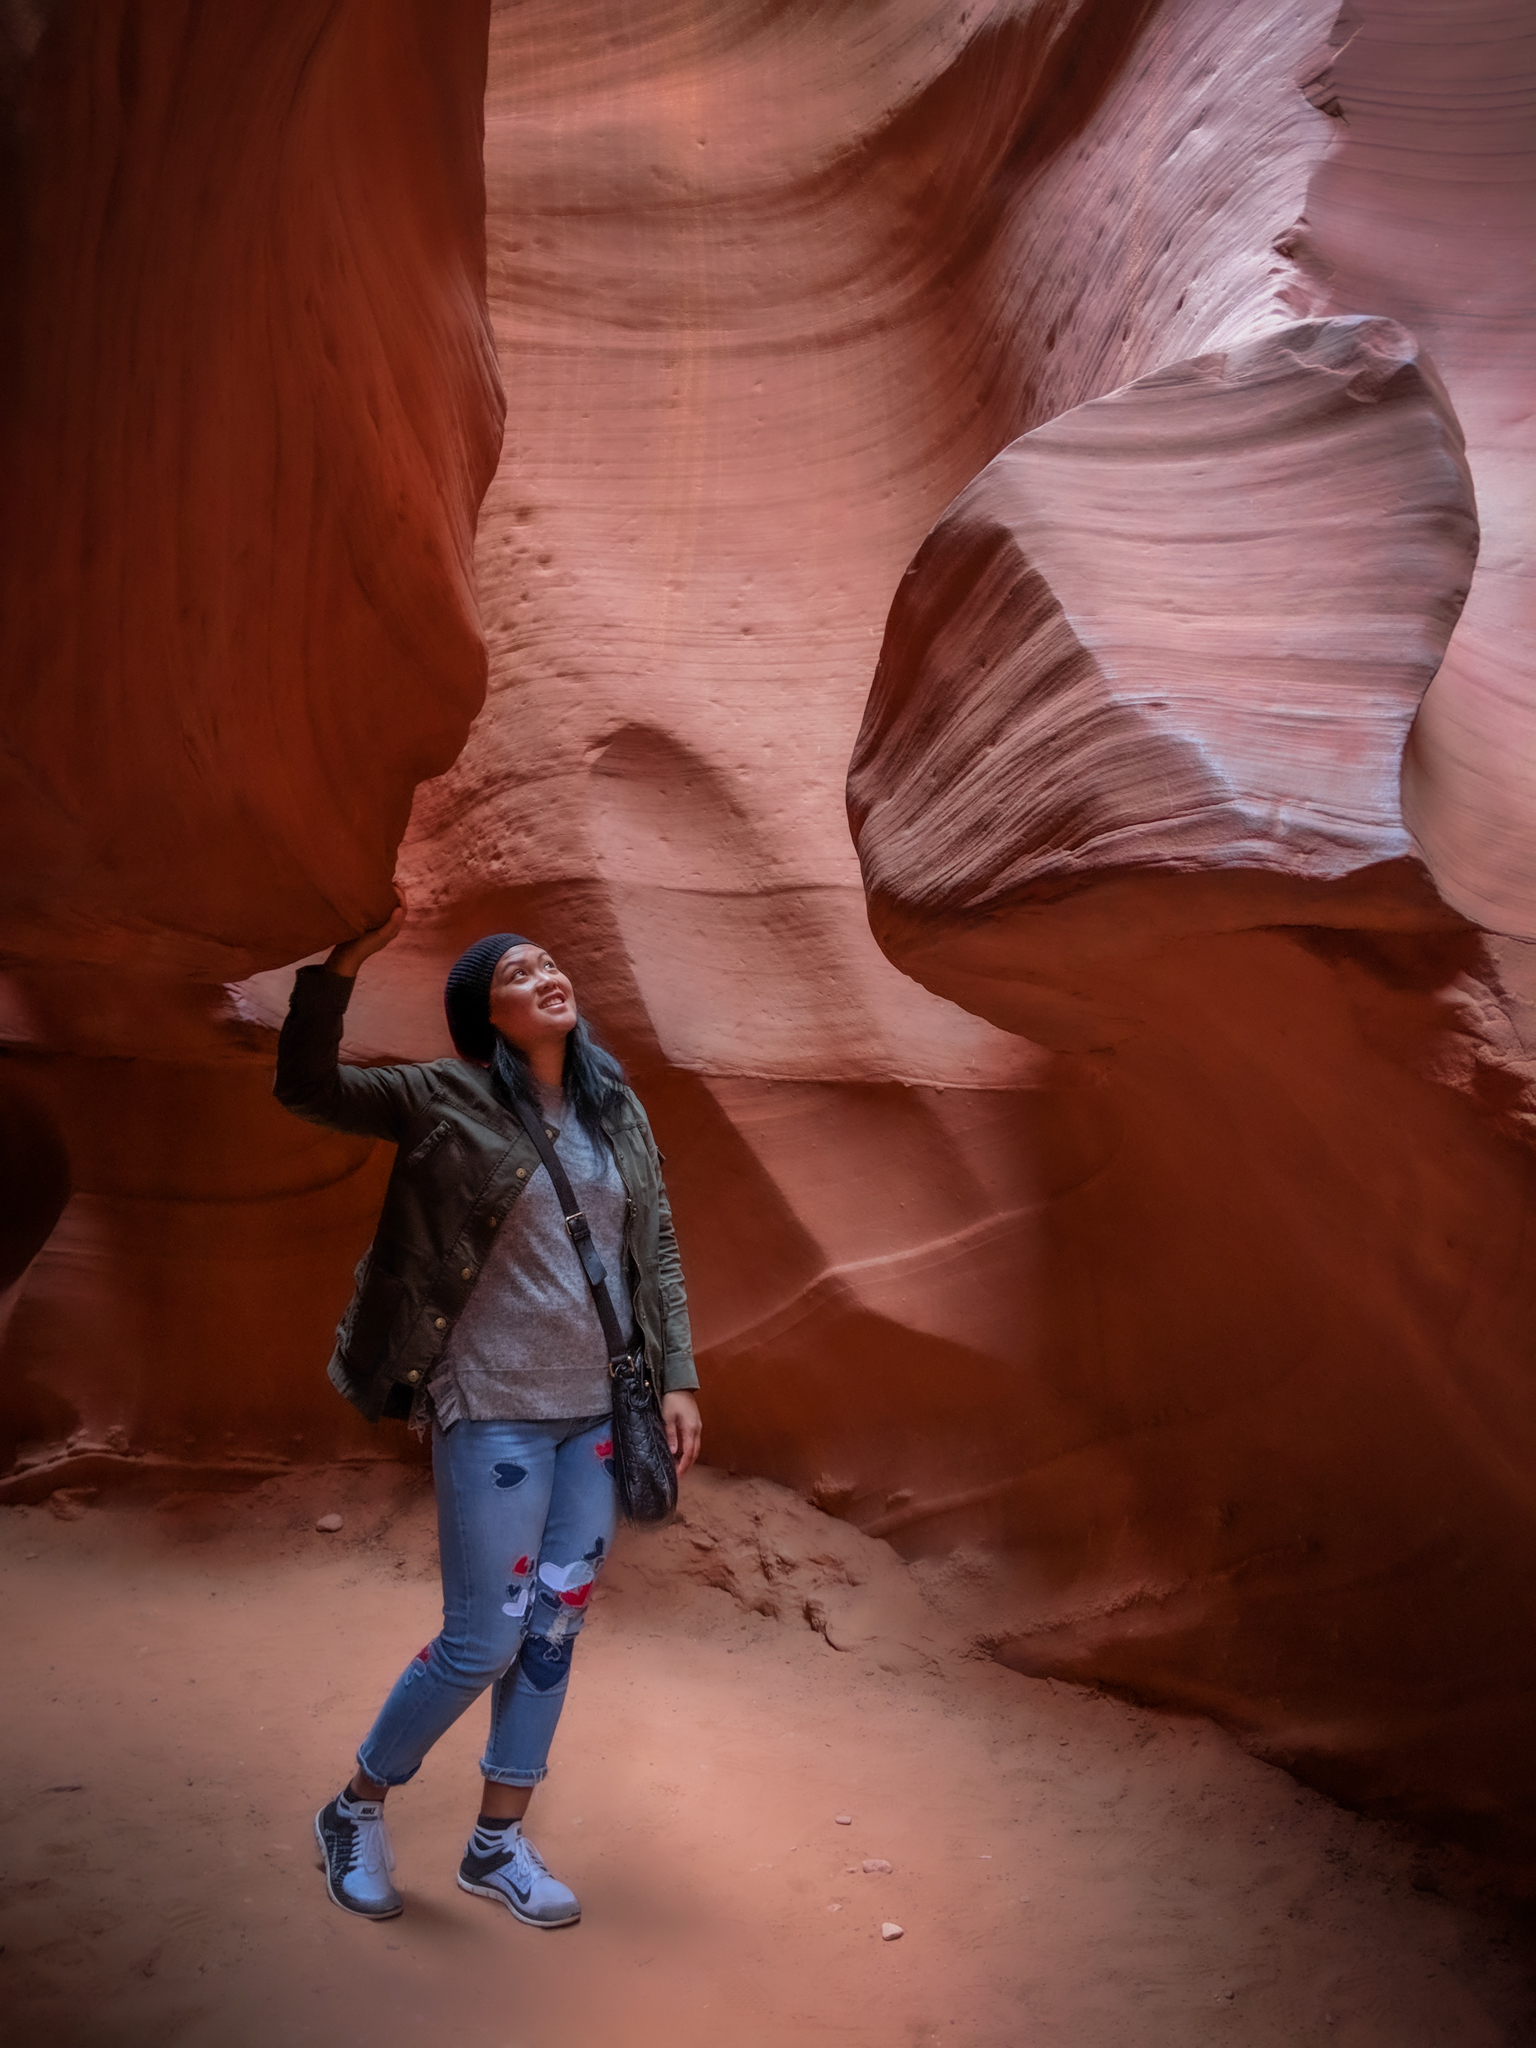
(491, 1220)
(442, 1322)
(467, 1273)
(413, 1377)
(522, 1173)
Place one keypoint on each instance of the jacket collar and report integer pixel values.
(612, 1120)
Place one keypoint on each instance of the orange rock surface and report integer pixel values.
(1131, 782)
(768, 289)
(250, 409)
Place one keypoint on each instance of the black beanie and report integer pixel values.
(467, 994)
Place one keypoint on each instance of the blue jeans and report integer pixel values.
(525, 1520)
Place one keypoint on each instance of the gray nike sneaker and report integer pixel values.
(516, 1874)
(358, 1858)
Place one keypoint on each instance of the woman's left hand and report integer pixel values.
(685, 1428)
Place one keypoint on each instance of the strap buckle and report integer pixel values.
(576, 1223)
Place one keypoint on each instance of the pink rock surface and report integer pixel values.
(1152, 674)
(1425, 209)
(750, 363)
(769, 288)
(752, 358)
(1129, 784)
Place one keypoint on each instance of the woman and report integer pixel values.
(472, 1315)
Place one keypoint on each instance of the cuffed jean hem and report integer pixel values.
(496, 1777)
(382, 1777)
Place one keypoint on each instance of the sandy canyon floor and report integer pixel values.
(186, 1678)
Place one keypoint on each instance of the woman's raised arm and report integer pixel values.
(374, 1102)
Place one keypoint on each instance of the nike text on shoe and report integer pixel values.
(515, 1873)
(354, 1841)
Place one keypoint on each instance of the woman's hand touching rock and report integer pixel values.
(347, 958)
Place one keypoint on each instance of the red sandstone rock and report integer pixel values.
(1214, 1345)
(251, 409)
(753, 358)
(1152, 673)
(35, 1186)
(1270, 1469)
(1425, 209)
(752, 363)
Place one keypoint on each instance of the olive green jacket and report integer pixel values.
(461, 1163)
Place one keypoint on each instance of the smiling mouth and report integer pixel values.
(552, 1002)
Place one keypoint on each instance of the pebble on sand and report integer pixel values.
(69, 1503)
(329, 1524)
(872, 1864)
(844, 1820)
(889, 1931)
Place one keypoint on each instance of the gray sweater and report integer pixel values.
(528, 1345)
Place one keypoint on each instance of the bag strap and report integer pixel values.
(581, 1236)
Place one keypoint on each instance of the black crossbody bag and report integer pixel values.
(643, 1469)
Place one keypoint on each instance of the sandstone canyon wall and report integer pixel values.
(1167, 765)
(250, 406)
(1119, 1291)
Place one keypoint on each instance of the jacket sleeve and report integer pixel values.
(677, 1367)
(678, 1373)
(373, 1102)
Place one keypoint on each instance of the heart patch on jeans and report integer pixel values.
(509, 1475)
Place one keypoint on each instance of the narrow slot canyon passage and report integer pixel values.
(968, 570)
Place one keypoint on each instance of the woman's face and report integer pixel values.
(532, 1002)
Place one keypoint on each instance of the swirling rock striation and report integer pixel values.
(250, 408)
(1425, 209)
(1132, 782)
(768, 288)
(1153, 671)
(1199, 1358)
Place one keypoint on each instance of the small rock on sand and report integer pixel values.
(69, 1503)
(889, 1931)
(874, 1864)
(844, 1820)
(329, 1523)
